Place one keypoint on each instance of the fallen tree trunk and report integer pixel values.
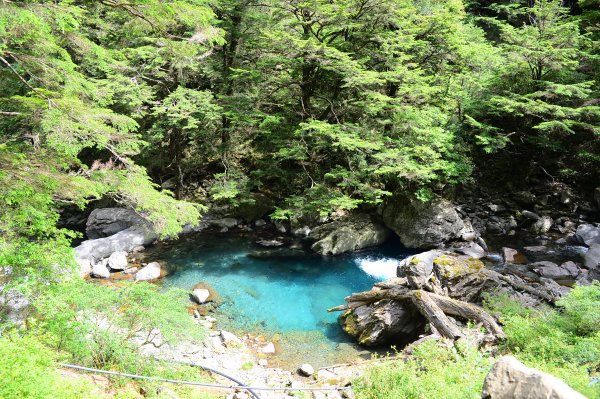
(433, 307)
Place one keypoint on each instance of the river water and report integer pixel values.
(283, 297)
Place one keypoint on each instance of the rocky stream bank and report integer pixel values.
(531, 247)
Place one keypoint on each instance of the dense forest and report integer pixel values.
(316, 107)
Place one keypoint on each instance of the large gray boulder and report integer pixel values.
(353, 233)
(383, 322)
(511, 379)
(423, 224)
(105, 222)
(587, 234)
(592, 261)
(91, 251)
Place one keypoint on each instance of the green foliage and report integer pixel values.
(564, 342)
(434, 371)
(27, 370)
(96, 324)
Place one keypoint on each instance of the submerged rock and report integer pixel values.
(511, 379)
(353, 233)
(423, 224)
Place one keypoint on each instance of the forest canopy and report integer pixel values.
(322, 106)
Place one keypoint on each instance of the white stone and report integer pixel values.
(85, 267)
(118, 260)
(211, 319)
(268, 348)
(99, 270)
(230, 339)
(260, 223)
(326, 376)
(200, 295)
(149, 272)
(306, 370)
(263, 362)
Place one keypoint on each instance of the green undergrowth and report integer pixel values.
(101, 327)
(563, 341)
(434, 371)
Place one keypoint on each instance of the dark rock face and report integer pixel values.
(353, 233)
(108, 221)
(423, 224)
(383, 322)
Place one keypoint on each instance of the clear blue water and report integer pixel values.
(283, 295)
(277, 293)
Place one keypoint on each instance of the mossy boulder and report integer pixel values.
(353, 233)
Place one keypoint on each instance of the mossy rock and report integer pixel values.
(450, 266)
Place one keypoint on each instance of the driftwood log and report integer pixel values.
(433, 307)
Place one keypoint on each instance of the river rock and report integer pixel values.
(592, 261)
(105, 222)
(422, 224)
(565, 274)
(118, 260)
(268, 349)
(229, 339)
(383, 322)
(511, 379)
(510, 255)
(587, 234)
(473, 250)
(306, 370)
(91, 251)
(530, 215)
(351, 234)
(542, 225)
(148, 272)
(225, 223)
(200, 295)
(99, 270)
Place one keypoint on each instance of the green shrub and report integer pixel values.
(95, 323)
(564, 341)
(27, 370)
(434, 371)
